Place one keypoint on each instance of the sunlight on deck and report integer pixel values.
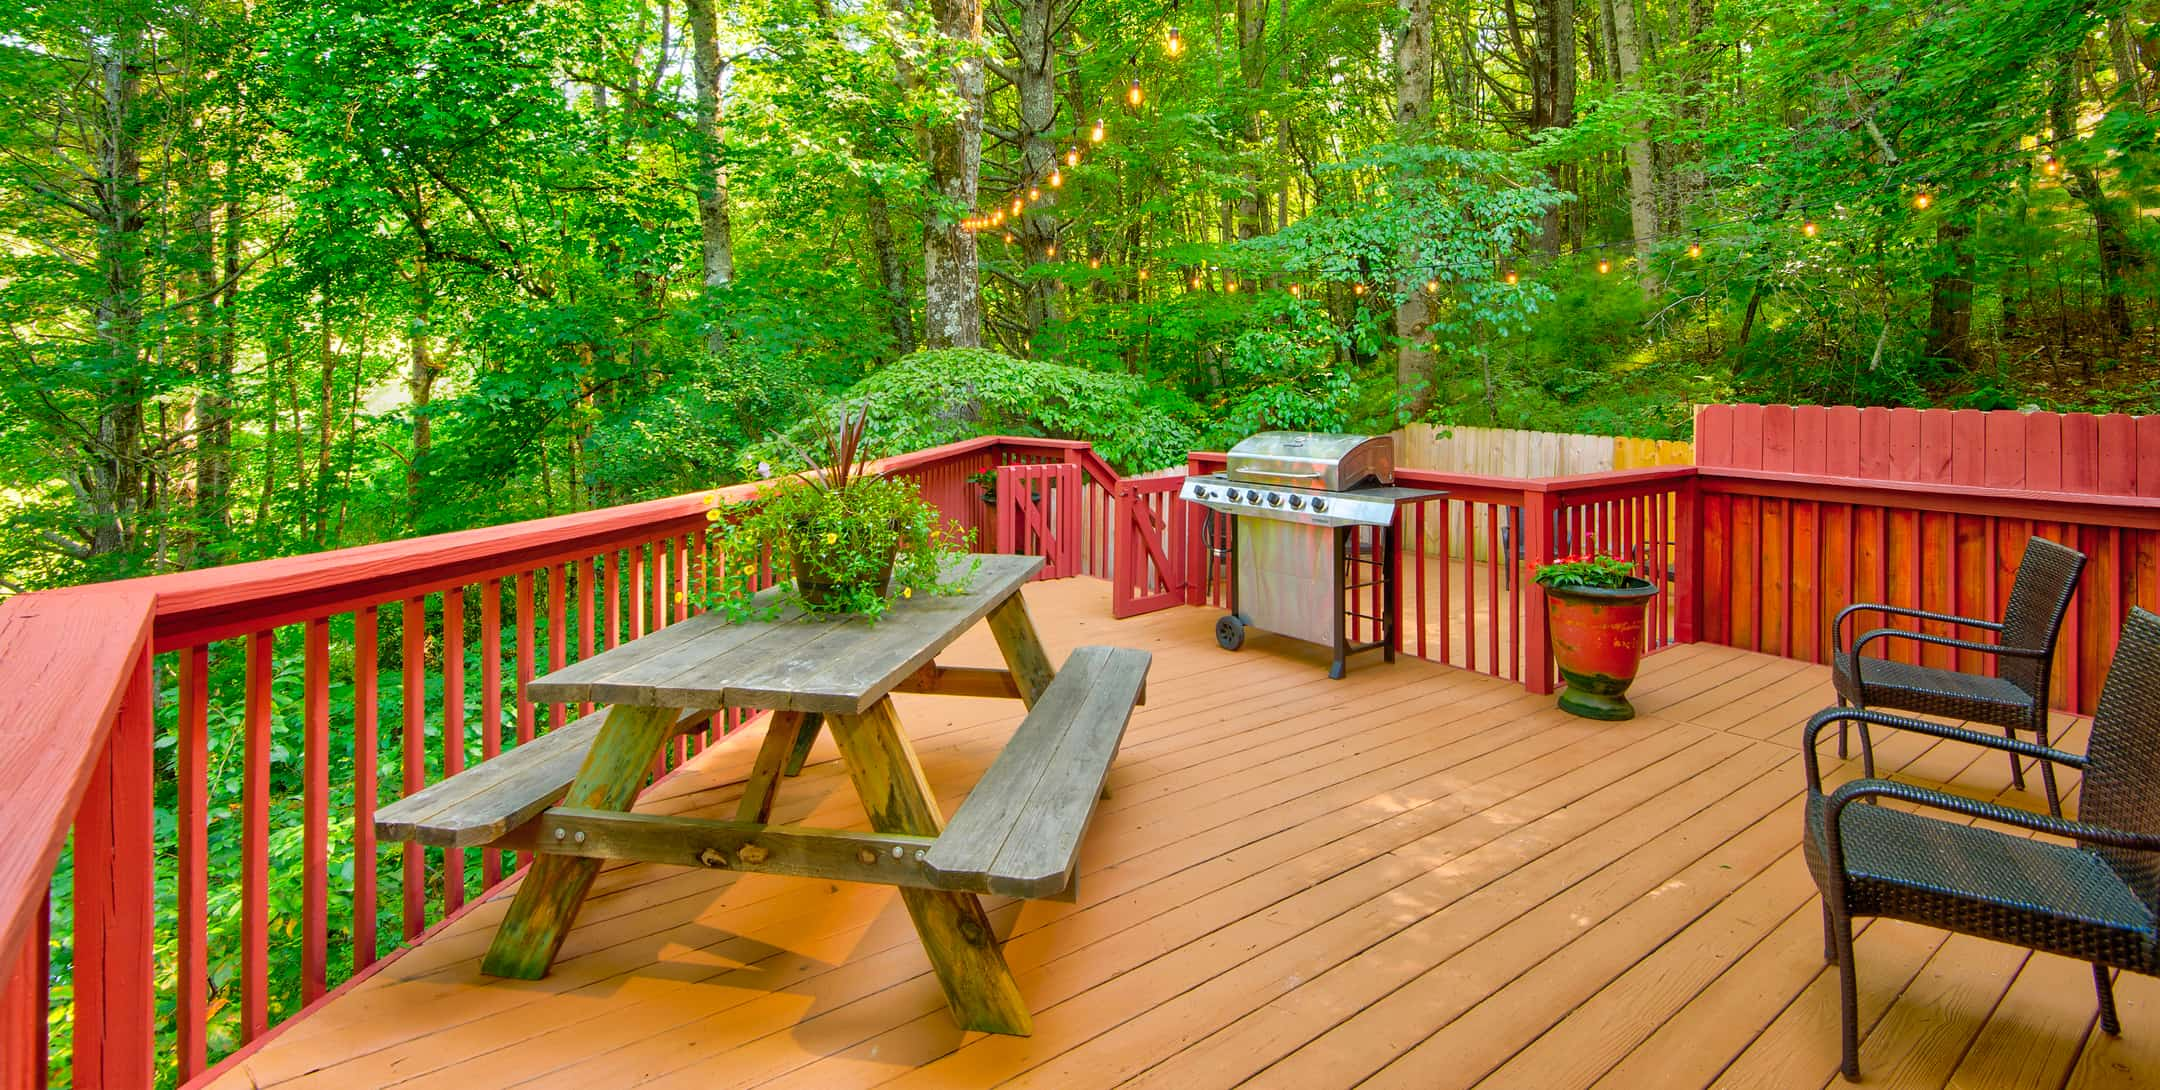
(1415, 877)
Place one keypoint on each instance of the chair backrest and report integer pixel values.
(2046, 578)
(2122, 777)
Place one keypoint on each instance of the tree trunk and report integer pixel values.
(325, 431)
(113, 477)
(1036, 86)
(1949, 332)
(1553, 106)
(2117, 253)
(892, 274)
(718, 254)
(419, 385)
(1251, 208)
(1413, 110)
(952, 290)
(1641, 169)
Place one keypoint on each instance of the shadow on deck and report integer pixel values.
(1416, 877)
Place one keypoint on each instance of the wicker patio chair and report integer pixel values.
(2015, 699)
(2095, 901)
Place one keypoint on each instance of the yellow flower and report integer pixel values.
(831, 538)
(712, 499)
(713, 515)
(907, 592)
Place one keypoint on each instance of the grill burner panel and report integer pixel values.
(1373, 506)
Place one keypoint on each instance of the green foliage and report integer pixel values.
(1594, 570)
(930, 398)
(851, 550)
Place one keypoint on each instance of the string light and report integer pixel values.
(1008, 238)
(1432, 286)
(1057, 177)
(1097, 135)
(1297, 289)
(1072, 155)
(1922, 200)
(1052, 251)
(1177, 44)
(2050, 164)
(1808, 227)
(1132, 98)
(1603, 266)
(1096, 263)
(1358, 289)
(1034, 193)
(1017, 206)
(1143, 274)
(1511, 277)
(1694, 249)
(1196, 283)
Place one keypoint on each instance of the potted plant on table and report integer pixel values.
(854, 541)
(1594, 616)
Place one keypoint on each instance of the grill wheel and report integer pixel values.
(1230, 632)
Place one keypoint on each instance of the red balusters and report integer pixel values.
(453, 675)
(315, 798)
(365, 749)
(413, 765)
(191, 766)
(255, 844)
(490, 700)
(115, 894)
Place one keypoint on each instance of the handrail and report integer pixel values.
(66, 661)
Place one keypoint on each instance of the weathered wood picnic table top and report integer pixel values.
(791, 662)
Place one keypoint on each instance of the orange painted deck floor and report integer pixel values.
(1416, 877)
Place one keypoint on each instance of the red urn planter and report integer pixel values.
(1597, 641)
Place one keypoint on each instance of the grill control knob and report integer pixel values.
(1318, 504)
(1297, 502)
(1252, 495)
(1274, 499)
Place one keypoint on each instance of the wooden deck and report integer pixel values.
(1416, 877)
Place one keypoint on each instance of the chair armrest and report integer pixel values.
(2079, 831)
(1827, 716)
(1837, 627)
(1941, 641)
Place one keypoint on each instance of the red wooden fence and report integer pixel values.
(1751, 550)
(1039, 509)
(2040, 452)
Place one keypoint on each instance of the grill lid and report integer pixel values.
(1307, 459)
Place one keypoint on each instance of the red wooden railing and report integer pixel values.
(284, 655)
(267, 662)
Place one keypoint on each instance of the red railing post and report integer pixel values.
(115, 897)
(1687, 593)
(23, 1050)
(1538, 507)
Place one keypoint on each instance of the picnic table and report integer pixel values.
(567, 795)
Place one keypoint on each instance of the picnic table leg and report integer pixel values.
(781, 731)
(955, 931)
(547, 901)
(805, 737)
(1023, 649)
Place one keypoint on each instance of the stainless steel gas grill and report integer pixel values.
(1311, 536)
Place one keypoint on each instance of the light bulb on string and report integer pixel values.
(2050, 164)
(1603, 266)
(1297, 289)
(1511, 277)
(1176, 44)
(1017, 206)
(1095, 263)
(1052, 251)
(1694, 249)
(1922, 200)
(1143, 274)
(1132, 95)
(1072, 155)
(1432, 286)
(1358, 289)
(1196, 283)
(1808, 227)
(1057, 177)
(1097, 134)
(1035, 193)
(1008, 238)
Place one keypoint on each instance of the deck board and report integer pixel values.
(1415, 877)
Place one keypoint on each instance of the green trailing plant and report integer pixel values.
(853, 540)
(1594, 570)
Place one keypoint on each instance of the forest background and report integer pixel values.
(278, 277)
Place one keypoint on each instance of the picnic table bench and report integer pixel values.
(566, 795)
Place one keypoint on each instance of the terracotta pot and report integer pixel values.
(1597, 640)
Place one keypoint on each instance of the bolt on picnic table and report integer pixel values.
(1018, 834)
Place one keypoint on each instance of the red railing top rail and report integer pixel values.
(65, 658)
(2126, 511)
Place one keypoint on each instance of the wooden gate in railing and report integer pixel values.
(1147, 570)
(1039, 515)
